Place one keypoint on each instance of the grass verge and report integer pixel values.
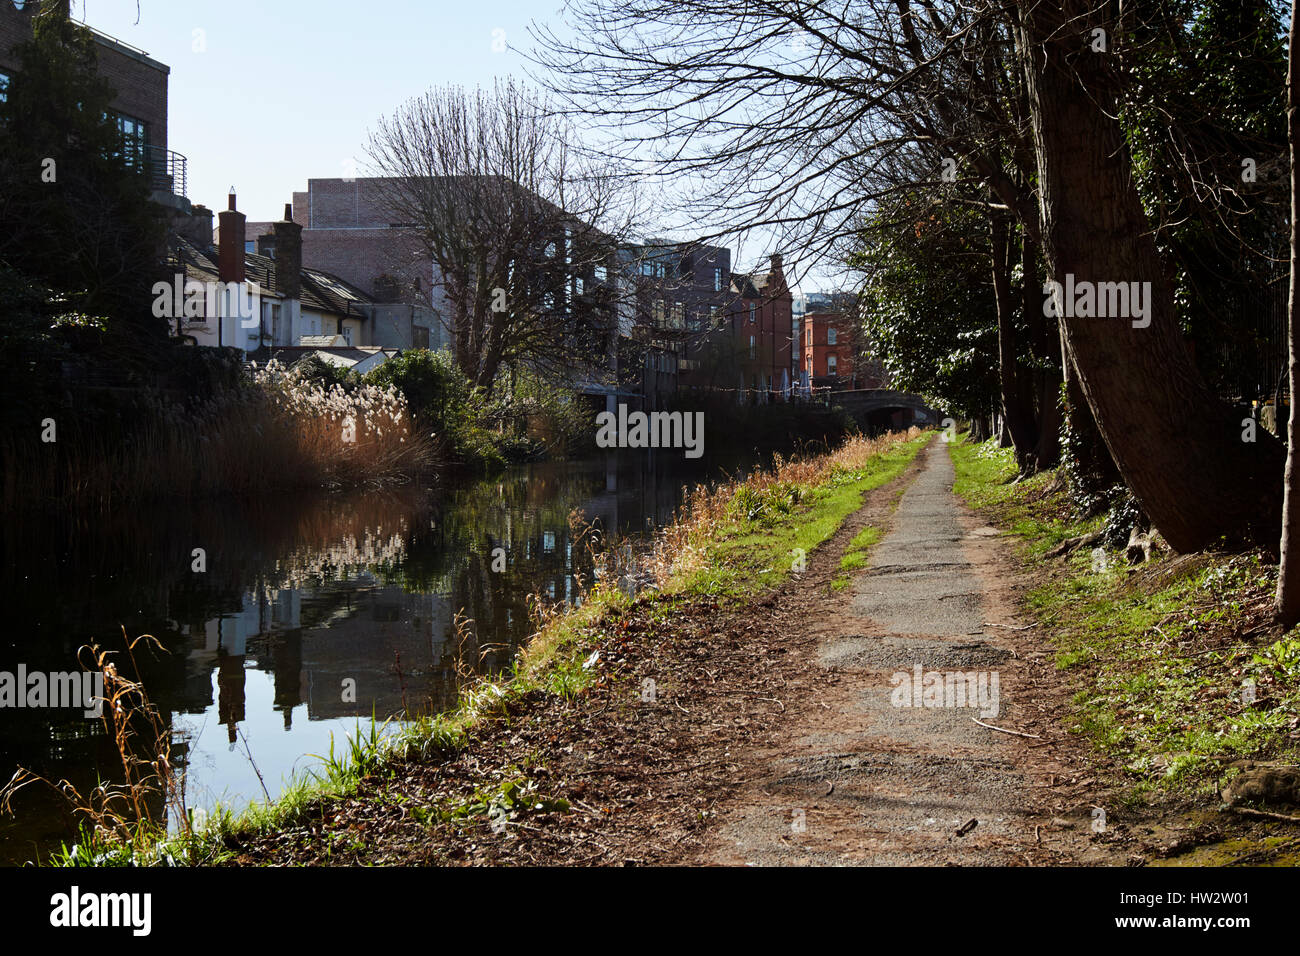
(1177, 668)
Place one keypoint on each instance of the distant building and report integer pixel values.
(345, 233)
(675, 294)
(761, 324)
(298, 310)
(833, 355)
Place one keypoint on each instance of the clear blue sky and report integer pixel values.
(273, 92)
(287, 89)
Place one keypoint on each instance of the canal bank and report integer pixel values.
(742, 541)
(537, 753)
(301, 616)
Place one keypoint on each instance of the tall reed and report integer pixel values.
(281, 433)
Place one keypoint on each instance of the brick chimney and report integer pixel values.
(230, 243)
(288, 255)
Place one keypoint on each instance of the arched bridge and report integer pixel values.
(882, 409)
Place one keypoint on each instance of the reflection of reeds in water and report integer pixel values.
(339, 559)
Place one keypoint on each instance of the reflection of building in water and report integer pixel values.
(312, 640)
(230, 691)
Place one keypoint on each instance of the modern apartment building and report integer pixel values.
(140, 83)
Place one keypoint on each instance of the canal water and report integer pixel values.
(285, 621)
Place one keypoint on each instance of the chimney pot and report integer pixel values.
(288, 212)
(230, 201)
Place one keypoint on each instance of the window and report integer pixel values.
(717, 280)
(753, 348)
(600, 273)
(830, 336)
(550, 250)
(135, 137)
(830, 364)
(810, 368)
(4, 88)
(679, 315)
(659, 313)
(752, 311)
(276, 338)
(647, 268)
(578, 285)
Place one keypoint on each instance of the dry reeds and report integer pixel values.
(130, 813)
(283, 433)
(679, 547)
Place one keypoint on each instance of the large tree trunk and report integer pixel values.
(1088, 465)
(1288, 575)
(1178, 448)
(1018, 415)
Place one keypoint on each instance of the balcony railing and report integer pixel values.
(164, 168)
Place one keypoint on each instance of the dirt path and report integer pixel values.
(852, 778)
(771, 737)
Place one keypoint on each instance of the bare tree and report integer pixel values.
(522, 226)
(795, 113)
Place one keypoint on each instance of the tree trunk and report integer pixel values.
(1088, 465)
(1178, 448)
(1288, 574)
(1017, 414)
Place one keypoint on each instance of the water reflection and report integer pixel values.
(308, 614)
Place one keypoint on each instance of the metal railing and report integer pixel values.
(166, 169)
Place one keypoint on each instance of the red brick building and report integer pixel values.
(140, 83)
(832, 356)
(761, 324)
(347, 233)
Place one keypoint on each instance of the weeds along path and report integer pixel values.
(869, 769)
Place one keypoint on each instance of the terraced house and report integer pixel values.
(294, 311)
